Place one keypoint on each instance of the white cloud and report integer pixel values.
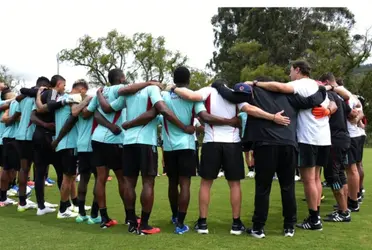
(33, 32)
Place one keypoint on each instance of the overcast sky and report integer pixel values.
(33, 32)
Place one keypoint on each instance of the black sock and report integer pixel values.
(75, 202)
(237, 221)
(104, 215)
(22, 200)
(68, 203)
(94, 211)
(145, 219)
(81, 207)
(63, 206)
(131, 215)
(202, 220)
(318, 210)
(174, 209)
(313, 215)
(3, 195)
(180, 219)
(251, 168)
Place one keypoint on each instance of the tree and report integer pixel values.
(200, 79)
(101, 55)
(365, 91)
(142, 56)
(283, 34)
(9, 79)
(152, 59)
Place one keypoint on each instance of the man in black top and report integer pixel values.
(275, 148)
(334, 172)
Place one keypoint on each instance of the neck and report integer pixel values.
(302, 77)
(73, 91)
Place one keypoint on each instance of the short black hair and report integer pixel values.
(362, 100)
(327, 77)
(181, 75)
(303, 66)
(80, 83)
(4, 92)
(340, 82)
(264, 79)
(42, 81)
(115, 75)
(55, 79)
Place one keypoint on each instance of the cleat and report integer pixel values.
(182, 230)
(108, 224)
(201, 228)
(46, 210)
(338, 217)
(81, 218)
(92, 221)
(47, 204)
(259, 234)
(289, 232)
(237, 229)
(307, 224)
(148, 230)
(66, 214)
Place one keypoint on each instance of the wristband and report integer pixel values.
(274, 118)
(255, 84)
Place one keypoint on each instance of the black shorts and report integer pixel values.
(217, 155)
(26, 150)
(1, 156)
(247, 146)
(11, 154)
(197, 155)
(107, 155)
(140, 157)
(334, 172)
(85, 163)
(363, 140)
(43, 151)
(68, 161)
(312, 155)
(355, 152)
(180, 163)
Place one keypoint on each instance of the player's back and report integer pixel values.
(173, 137)
(10, 131)
(217, 105)
(136, 105)
(101, 133)
(61, 116)
(26, 128)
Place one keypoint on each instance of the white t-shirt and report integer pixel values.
(218, 106)
(354, 130)
(310, 130)
(196, 124)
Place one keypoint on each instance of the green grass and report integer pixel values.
(28, 231)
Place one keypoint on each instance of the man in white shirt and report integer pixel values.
(314, 138)
(222, 148)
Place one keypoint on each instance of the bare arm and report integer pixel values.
(276, 87)
(86, 114)
(20, 97)
(5, 117)
(69, 124)
(11, 119)
(143, 119)
(218, 121)
(169, 115)
(101, 120)
(35, 120)
(103, 103)
(134, 88)
(4, 107)
(259, 113)
(77, 108)
(344, 93)
(188, 94)
(332, 107)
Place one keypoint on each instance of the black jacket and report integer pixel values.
(265, 132)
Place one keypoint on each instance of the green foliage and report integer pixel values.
(199, 79)
(248, 38)
(142, 56)
(9, 79)
(275, 72)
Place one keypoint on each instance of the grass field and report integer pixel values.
(28, 231)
